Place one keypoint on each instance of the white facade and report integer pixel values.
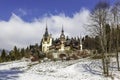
(81, 47)
(62, 48)
(46, 41)
(46, 44)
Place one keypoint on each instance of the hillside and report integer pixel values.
(82, 69)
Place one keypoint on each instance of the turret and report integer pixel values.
(46, 32)
(62, 39)
(62, 36)
(46, 41)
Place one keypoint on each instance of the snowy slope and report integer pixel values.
(82, 69)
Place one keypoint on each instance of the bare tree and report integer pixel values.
(99, 21)
(116, 14)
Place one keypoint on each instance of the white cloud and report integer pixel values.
(20, 33)
(23, 12)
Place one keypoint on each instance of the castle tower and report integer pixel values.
(46, 41)
(62, 40)
(62, 36)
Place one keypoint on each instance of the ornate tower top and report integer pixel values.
(62, 36)
(46, 32)
(62, 30)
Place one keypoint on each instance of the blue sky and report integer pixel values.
(30, 9)
(23, 22)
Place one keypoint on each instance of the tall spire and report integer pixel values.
(62, 30)
(46, 31)
(46, 28)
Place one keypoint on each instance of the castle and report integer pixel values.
(61, 44)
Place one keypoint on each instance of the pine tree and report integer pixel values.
(16, 53)
(12, 56)
(3, 56)
(22, 52)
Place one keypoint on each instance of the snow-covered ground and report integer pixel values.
(82, 69)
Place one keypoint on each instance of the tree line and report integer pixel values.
(19, 53)
(93, 43)
(14, 54)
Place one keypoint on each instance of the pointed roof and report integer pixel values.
(62, 30)
(62, 33)
(46, 31)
